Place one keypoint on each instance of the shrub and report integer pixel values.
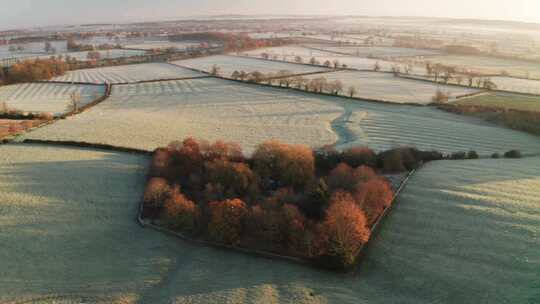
(458, 155)
(440, 97)
(495, 155)
(343, 232)
(180, 213)
(513, 154)
(226, 221)
(359, 156)
(472, 155)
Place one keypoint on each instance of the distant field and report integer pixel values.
(229, 64)
(47, 97)
(128, 73)
(505, 101)
(517, 85)
(379, 51)
(149, 45)
(150, 115)
(147, 116)
(491, 65)
(387, 87)
(106, 54)
(288, 52)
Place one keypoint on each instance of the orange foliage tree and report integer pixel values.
(156, 192)
(236, 179)
(374, 196)
(344, 231)
(226, 220)
(180, 213)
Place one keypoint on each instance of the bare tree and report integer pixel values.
(338, 87)
(298, 59)
(74, 102)
(235, 75)
(327, 63)
(352, 91)
(47, 47)
(265, 55)
(377, 67)
(336, 63)
(215, 70)
(313, 61)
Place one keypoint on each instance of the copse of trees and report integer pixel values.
(34, 70)
(291, 200)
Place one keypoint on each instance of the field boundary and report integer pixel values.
(80, 144)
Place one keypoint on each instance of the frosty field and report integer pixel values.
(128, 73)
(387, 87)
(151, 45)
(289, 52)
(106, 54)
(150, 115)
(490, 65)
(379, 51)
(68, 223)
(47, 97)
(229, 64)
(517, 85)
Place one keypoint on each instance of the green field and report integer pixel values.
(504, 101)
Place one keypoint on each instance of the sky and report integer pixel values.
(30, 13)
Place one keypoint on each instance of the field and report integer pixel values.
(128, 73)
(106, 54)
(229, 64)
(47, 97)
(31, 49)
(387, 87)
(152, 45)
(378, 51)
(505, 101)
(68, 224)
(147, 116)
(490, 65)
(383, 126)
(150, 115)
(517, 85)
(289, 52)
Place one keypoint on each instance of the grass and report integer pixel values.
(462, 232)
(47, 97)
(504, 101)
(128, 73)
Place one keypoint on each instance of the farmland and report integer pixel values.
(47, 97)
(387, 87)
(150, 115)
(490, 65)
(288, 52)
(83, 240)
(505, 101)
(153, 45)
(128, 73)
(517, 85)
(229, 64)
(378, 51)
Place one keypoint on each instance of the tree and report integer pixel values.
(344, 231)
(359, 156)
(265, 55)
(336, 63)
(338, 87)
(377, 67)
(93, 55)
(373, 196)
(226, 221)
(179, 213)
(327, 63)
(313, 61)
(236, 179)
(243, 75)
(48, 47)
(215, 70)
(156, 192)
(298, 59)
(235, 75)
(440, 97)
(352, 91)
(74, 102)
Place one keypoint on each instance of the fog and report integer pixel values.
(52, 12)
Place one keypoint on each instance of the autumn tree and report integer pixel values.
(155, 194)
(373, 196)
(343, 232)
(226, 221)
(179, 213)
(237, 179)
(359, 156)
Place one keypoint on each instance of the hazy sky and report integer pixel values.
(18, 13)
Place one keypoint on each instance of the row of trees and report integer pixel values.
(286, 199)
(299, 59)
(33, 70)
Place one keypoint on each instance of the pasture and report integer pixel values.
(518, 85)
(490, 65)
(154, 45)
(288, 52)
(228, 64)
(128, 73)
(504, 101)
(387, 87)
(379, 51)
(82, 239)
(150, 115)
(47, 97)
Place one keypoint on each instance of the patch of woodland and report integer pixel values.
(290, 200)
